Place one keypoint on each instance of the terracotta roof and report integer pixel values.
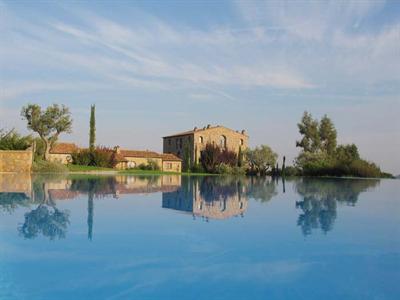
(148, 154)
(137, 153)
(202, 129)
(64, 148)
(170, 156)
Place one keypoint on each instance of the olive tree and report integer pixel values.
(261, 159)
(48, 123)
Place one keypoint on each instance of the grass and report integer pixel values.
(79, 168)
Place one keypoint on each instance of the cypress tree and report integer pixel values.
(240, 157)
(92, 132)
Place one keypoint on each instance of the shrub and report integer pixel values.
(292, 171)
(42, 166)
(150, 166)
(12, 140)
(212, 157)
(209, 158)
(362, 168)
(100, 157)
(227, 169)
(82, 158)
(227, 157)
(197, 168)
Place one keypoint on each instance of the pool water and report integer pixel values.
(173, 237)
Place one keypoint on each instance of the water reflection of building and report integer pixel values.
(208, 197)
(41, 193)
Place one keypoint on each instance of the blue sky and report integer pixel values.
(156, 67)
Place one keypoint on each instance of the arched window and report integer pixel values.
(200, 139)
(241, 142)
(222, 141)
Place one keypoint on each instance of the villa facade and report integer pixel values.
(195, 141)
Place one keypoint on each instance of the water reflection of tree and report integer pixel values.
(320, 199)
(46, 219)
(262, 189)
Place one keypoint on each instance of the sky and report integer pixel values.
(154, 68)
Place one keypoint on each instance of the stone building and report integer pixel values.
(133, 158)
(62, 152)
(127, 159)
(195, 140)
(198, 198)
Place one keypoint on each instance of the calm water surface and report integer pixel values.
(172, 237)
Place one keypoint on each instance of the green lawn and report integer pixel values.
(78, 168)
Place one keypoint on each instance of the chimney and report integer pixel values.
(195, 128)
(243, 131)
(117, 149)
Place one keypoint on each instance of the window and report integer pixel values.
(222, 141)
(200, 139)
(169, 166)
(241, 142)
(169, 142)
(180, 143)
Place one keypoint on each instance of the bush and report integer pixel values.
(212, 157)
(227, 169)
(150, 166)
(82, 158)
(292, 171)
(14, 141)
(362, 168)
(197, 168)
(42, 166)
(100, 157)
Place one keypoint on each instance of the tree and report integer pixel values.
(261, 159)
(186, 158)
(92, 132)
(240, 158)
(327, 135)
(308, 128)
(347, 153)
(49, 123)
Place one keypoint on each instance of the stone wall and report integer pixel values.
(16, 161)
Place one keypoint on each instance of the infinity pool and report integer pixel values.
(173, 237)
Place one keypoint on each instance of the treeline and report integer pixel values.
(321, 156)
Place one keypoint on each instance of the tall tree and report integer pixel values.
(92, 132)
(240, 157)
(308, 128)
(49, 123)
(327, 135)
